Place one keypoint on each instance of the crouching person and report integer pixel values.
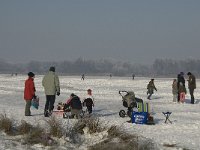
(75, 105)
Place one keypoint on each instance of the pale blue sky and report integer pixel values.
(137, 31)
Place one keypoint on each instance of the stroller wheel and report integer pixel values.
(122, 113)
(129, 113)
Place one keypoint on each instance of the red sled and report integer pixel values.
(58, 112)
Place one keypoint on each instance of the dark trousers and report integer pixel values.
(27, 108)
(89, 108)
(149, 97)
(192, 95)
(178, 97)
(50, 100)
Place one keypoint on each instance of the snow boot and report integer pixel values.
(46, 113)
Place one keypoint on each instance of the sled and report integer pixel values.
(58, 112)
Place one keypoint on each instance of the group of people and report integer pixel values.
(75, 104)
(179, 90)
(51, 85)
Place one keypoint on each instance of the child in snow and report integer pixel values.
(182, 91)
(174, 90)
(89, 101)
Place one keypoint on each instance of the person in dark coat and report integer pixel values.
(133, 76)
(83, 77)
(29, 92)
(191, 85)
(75, 104)
(180, 79)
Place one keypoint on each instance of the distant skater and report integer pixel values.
(150, 88)
(83, 77)
(133, 76)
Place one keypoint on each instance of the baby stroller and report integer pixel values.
(129, 101)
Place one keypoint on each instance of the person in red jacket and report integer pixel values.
(29, 92)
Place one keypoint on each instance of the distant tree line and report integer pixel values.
(160, 67)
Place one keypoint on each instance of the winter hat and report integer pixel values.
(182, 73)
(72, 95)
(31, 74)
(189, 73)
(52, 69)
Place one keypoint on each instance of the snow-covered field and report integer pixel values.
(184, 130)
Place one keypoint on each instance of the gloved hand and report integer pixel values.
(34, 96)
(58, 93)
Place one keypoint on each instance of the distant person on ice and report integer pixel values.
(174, 90)
(29, 92)
(150, 88)
(180, 79)
(182, 92)
(83, 77)
(51, 86)
(88, 101)
(191, 85)
(133, 76)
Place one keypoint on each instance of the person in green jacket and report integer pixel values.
(51, 86)
(191, 85)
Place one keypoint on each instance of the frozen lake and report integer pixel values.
(184, 130)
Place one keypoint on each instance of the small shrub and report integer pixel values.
(6, 124)
(24, 128)
(119, 140)
(56, 128)
(37, 135)
(114, 131)
(94, 125)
